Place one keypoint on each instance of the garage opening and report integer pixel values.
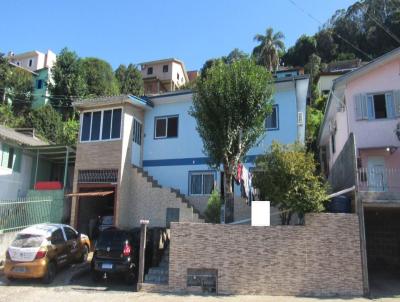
(96, 209)
(382, 229)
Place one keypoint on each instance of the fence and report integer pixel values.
(37, 207)
(379, 179)
(23, 212)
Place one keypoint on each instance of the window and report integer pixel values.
(377, 106)
(101, 125)
(166, 127)
(87, 119)
(150, 70)
(10, 157)
(57, 237)
(96, 121)
(165, 68)
(106, 132)
(201, 183)
(39, 84)
(137, 132)
(333, 143)
(11, 152)
(177, 76)
(30, 63)
(70, 233)
(272, 120)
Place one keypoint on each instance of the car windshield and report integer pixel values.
(112, 238)
(27, 240)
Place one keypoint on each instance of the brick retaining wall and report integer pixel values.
(321, 258)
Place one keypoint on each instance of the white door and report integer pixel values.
(377, 180)
(137, 143)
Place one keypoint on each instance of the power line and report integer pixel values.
(383, 27)
(338, 35)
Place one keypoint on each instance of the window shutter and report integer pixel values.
(364, 106)
(358, 106)
(389, 105)
(396, 101)
(370, 107)
(17, 160)
(4, 158)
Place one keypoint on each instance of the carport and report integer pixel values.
(382, 229)
(93, 201)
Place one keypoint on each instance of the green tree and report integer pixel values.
(230, 104)
(299, 54)
(286, 175)
(129, 79)
(267, 53)
(213, 210)
(69, 133)
(7, 117)
(69, 83)
(326, 45)
(4, 77)
(47, 122)
(234, 55)
(99, 77)
(20, 90)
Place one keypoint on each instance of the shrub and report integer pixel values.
(213, 210)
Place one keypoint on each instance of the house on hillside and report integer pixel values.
(164, 75)
(333, 71)
(141, 158)
(39, 65)
(359, 144)
(26, 160)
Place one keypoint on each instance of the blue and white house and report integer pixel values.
(156, 139)
(173, 151)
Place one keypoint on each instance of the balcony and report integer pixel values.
(379, 184)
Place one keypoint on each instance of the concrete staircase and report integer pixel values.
(159, 274)
(175, 193)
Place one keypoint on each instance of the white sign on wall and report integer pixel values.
(260, 213)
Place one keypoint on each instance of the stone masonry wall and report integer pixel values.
(321, 258)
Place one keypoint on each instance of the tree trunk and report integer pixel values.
(228, 198)
(285, 217)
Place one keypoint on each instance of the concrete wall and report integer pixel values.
(321, 258)
(343, 173)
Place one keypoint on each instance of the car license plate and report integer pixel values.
(107, 266)
(19, 269)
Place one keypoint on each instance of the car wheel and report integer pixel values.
(130, 278)
(85, 253)
(50, 273)
(10, 279)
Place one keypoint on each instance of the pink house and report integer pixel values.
(359, 144)
(366, 102)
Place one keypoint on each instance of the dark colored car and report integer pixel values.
(116, 252)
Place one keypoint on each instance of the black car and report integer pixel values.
(116, 252)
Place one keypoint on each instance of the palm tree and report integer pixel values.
(267, 52)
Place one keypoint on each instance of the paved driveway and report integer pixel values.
(63, 289)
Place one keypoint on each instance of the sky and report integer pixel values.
(131, 31)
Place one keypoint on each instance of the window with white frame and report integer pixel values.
(166, 127)
(272, 120)
(372, 106)
(101, 125)
(201, 182)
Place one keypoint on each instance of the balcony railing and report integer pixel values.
(378, 179)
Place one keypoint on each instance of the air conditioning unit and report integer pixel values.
(340, 107)
(300, 118)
